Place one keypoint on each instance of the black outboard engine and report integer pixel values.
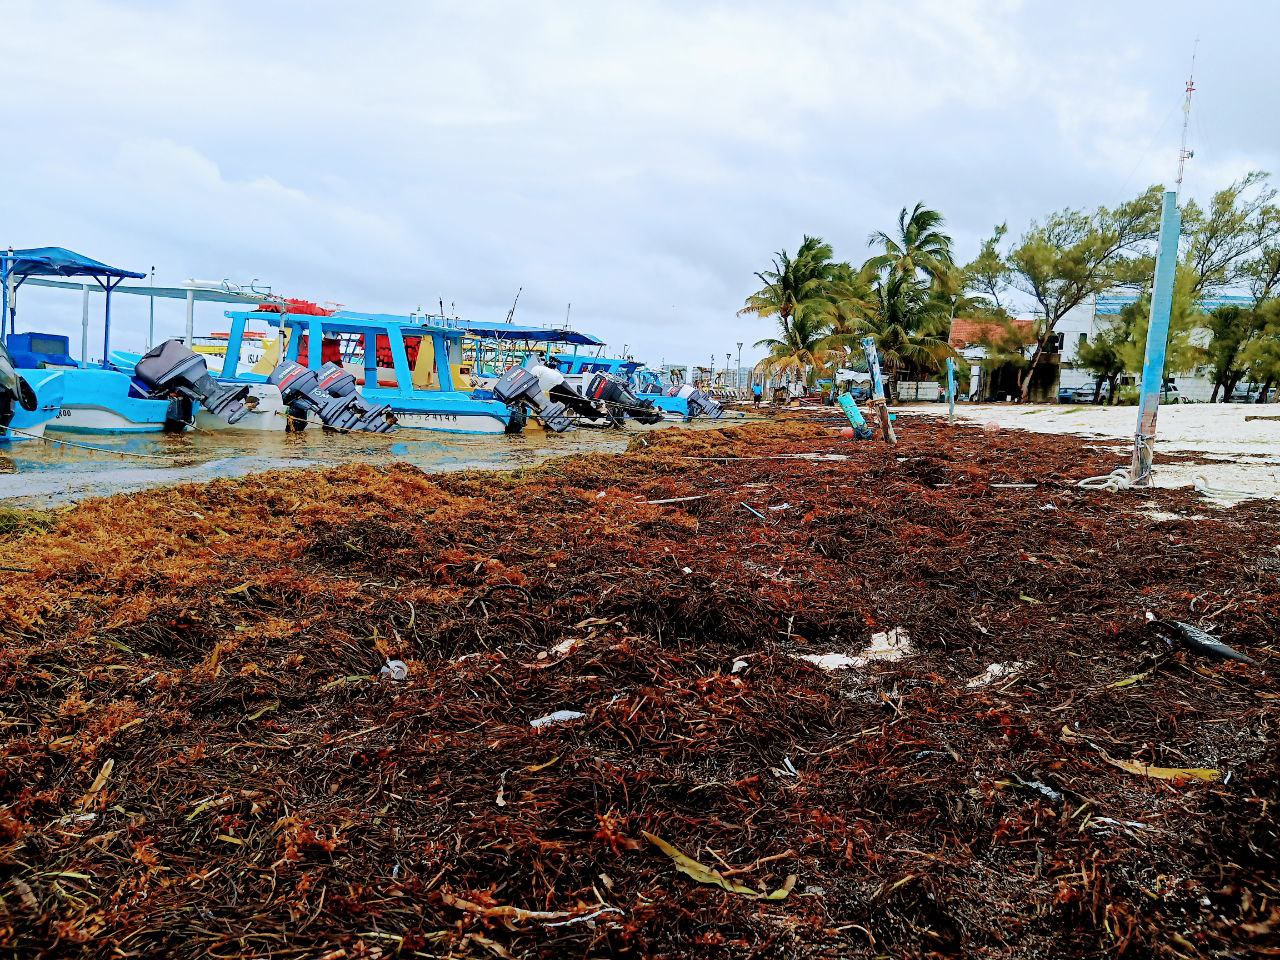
(519, 386)
(374, 418)
(619, 399)
(172, 368)
(14, 391)
(302, 391)
(700, 405)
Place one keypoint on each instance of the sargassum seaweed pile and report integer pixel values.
(758, 691)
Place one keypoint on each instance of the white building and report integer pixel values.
(1081, 324)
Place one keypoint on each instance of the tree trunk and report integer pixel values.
(1266, 388)
(1025, 386)
(1230, 387)
(1097, 391)
(1213, 397)
(1112, 391)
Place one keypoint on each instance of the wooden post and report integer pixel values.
(877, 389)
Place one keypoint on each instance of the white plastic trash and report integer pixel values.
(560, 716)
(394, 670)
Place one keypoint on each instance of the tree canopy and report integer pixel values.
(907, 292)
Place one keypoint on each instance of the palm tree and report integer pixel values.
(919, 248)
(803, 348)
(907, 321)
(793, 281)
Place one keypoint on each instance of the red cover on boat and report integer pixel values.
(304, 307)
(383, 351)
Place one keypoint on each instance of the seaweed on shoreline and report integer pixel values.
(198, 756)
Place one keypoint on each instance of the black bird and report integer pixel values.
(1177, 633)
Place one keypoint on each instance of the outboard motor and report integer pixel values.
(374, 418)
(302, 391)
(14, 391)
(700, 405)
(520, 387)
(172, 368)
(617, 396)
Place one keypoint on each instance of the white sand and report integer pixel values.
(1238, 454)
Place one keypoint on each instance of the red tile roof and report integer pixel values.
(967, 331)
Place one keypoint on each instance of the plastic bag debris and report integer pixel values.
(889, 647)
(394, 670)
(559, 716)
(996, 671)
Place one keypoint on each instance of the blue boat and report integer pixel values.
(405, 362)
(496, 346)
(95, 399)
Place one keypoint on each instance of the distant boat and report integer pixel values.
(405, 362)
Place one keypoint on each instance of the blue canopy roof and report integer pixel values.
(351, 321)
(60, 262)
(514, 331)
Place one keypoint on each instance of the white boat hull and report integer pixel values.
(449, 422)
(90, 419)
(269, 416)
(32, 432)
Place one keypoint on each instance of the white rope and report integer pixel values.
(1117, 479)
(1221, 493)
(58, 441)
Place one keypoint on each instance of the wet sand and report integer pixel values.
(45, 474)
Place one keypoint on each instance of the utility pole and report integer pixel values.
(151, 320)
(1161, 307)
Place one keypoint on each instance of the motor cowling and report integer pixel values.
(303, 390)
(618, 396)
(15, 392)
(374, 418)
(172, 368)
(700, 405)
(520, 387)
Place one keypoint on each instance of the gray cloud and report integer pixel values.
(640, 160)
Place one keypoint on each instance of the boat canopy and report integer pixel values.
(60, 262)
(204, 294)
(351, 321)
(515, 331)
(18, 265)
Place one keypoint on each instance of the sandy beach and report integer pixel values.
(1236, 446)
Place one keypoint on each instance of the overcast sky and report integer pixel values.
(639, 160)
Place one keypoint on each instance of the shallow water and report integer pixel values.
(44, 474)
